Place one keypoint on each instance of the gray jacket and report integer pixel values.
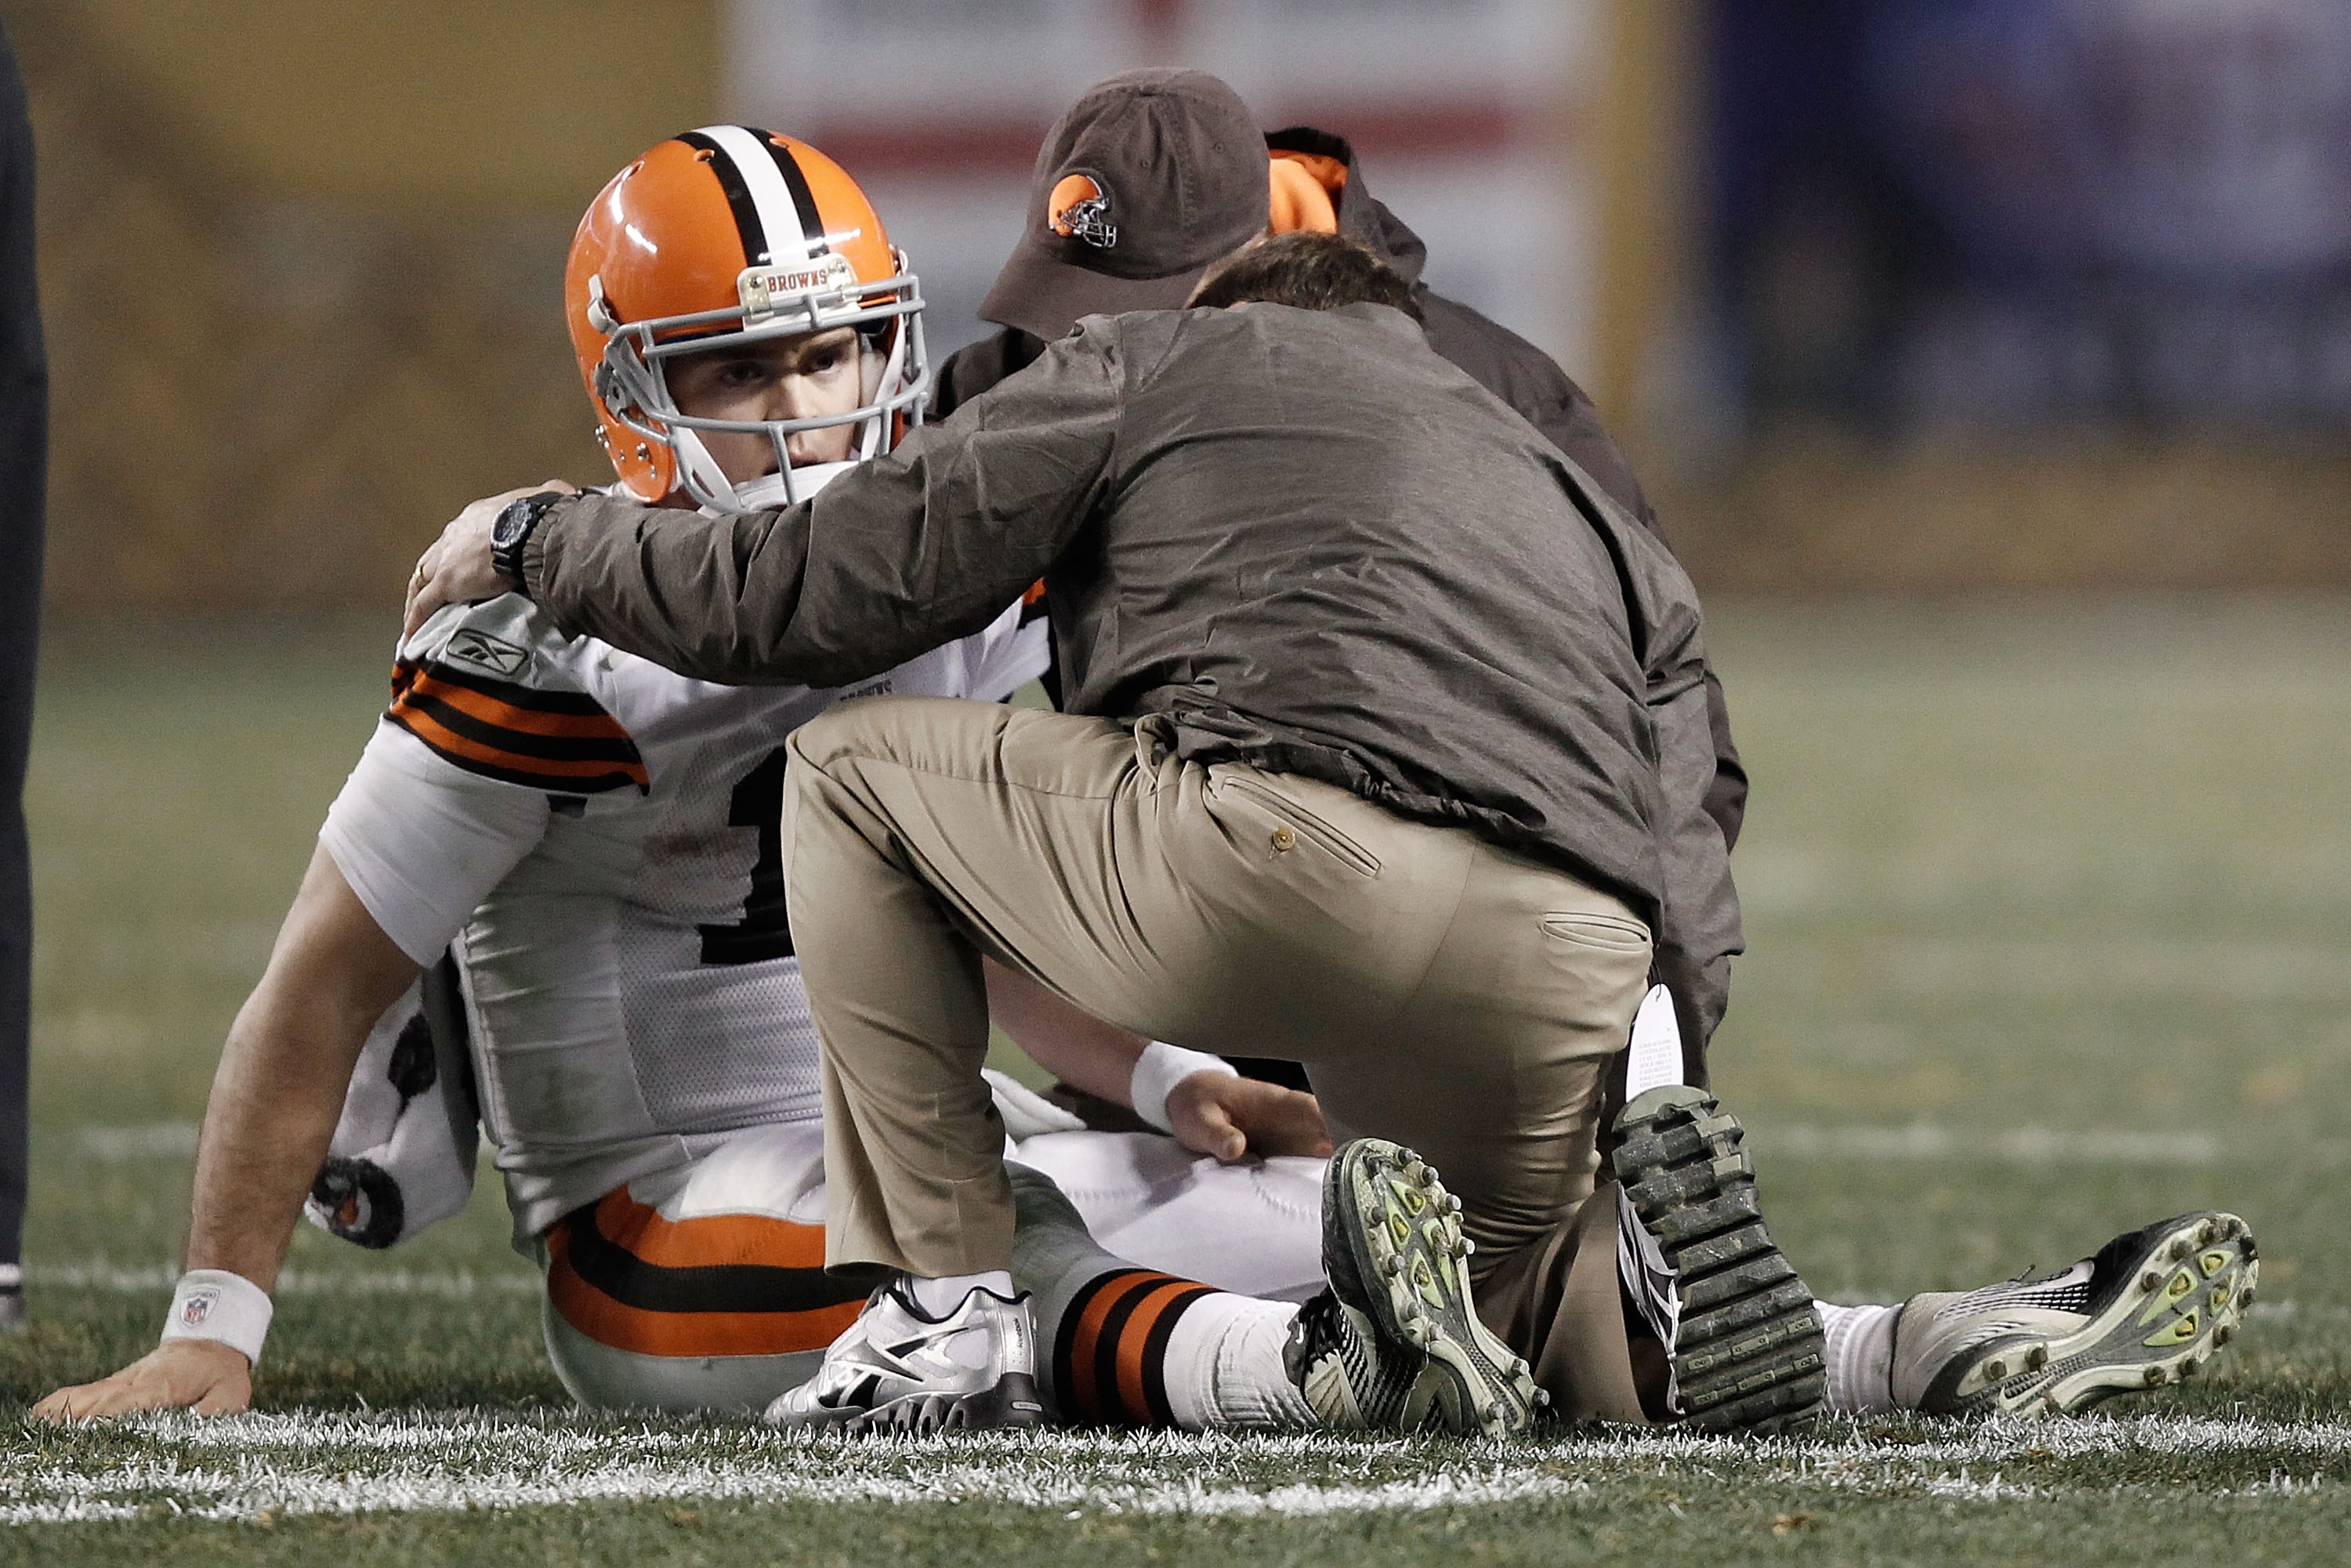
(1305, 538)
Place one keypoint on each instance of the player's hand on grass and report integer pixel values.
(1228, 1117)
(202, 1375)
(455, 568)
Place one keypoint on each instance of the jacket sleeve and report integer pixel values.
(1547, 398)
(894, 558)
(1568, 420)
(1699, 927)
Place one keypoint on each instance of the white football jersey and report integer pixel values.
(595, 839)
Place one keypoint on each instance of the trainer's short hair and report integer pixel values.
(1311, 270)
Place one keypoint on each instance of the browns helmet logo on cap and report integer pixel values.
(1079, 209)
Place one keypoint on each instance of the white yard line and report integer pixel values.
(2100, 968)
(101, 1275)
(149, 1141)
(2091, 971)
(247, 1467)
(140, 1141)
(2027, 1145)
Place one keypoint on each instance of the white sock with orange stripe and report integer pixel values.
(1123, 1345)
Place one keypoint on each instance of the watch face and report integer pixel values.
(511, 524)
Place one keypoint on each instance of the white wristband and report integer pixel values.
(1161, 1067)
(213, 1303)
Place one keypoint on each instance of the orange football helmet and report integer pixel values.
(729, 234)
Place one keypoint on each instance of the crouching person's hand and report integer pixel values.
(458, 568)
(1216, 1113)
(199, 1375)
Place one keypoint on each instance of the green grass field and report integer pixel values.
(2050, 934)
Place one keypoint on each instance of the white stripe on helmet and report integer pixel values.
(787, 238)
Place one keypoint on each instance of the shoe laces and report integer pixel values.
(1319, 1329)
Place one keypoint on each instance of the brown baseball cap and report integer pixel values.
(1149, 177)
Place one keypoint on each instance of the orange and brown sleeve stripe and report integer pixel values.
(728, 1284)
(563, 742)
(1110, 1358)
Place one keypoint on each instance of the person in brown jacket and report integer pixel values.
(1170, 170)
(1386, 751)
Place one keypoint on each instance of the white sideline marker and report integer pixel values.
(102, 1275)
(2026, 1146)
(241, 1468)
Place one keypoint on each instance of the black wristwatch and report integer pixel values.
(512, 531)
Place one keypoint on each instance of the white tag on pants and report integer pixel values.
(1656, 1058)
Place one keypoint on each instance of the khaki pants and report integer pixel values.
(1442, 991)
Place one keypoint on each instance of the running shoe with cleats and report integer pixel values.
(2152, 1307)
(1395, 1344)
(1748, 1353)
(899, 1370)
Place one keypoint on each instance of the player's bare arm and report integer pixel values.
(1210, 1111)
(273, 1108)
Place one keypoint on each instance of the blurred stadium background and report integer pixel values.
(1940, 294)
(1990, 361)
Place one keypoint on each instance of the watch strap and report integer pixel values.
(511, 534)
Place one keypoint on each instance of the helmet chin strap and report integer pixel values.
(699, 472)
(876, 373)
(769, 490)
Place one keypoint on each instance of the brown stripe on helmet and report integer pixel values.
(803, 199)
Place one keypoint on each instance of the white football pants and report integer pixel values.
(704, 1289)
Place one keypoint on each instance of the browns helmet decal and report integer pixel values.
(1079, 209)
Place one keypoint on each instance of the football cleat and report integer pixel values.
(2152, 1307)
(899, 1370)
(1748, 1352)
(1395, 1345)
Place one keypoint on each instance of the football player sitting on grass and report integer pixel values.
(552, 887)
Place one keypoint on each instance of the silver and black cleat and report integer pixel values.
(2153, 1306)
(1395, 1344)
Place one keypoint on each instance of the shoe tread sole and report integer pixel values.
(1749, 1354)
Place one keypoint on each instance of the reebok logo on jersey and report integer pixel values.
(484, 652)
(1079, 209)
